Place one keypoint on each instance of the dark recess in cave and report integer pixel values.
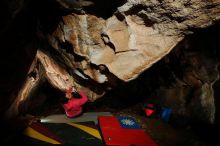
(104, 8)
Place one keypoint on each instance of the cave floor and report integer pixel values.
(164, 134)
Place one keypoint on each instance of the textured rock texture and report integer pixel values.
(137, 35)
(143, 31)
(81, 45)
(193, 70)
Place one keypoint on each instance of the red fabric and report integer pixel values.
(73, 107)
(114, 134)
(149, 112)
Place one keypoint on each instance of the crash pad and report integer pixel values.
(115, 134)
(83, 133)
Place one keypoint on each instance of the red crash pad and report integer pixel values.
(114, 134)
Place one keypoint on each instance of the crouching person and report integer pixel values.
(76, 99)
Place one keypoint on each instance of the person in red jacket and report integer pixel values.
(76, 98)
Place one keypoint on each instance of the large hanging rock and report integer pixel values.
(145, 31)
(80, 46)
(137, 35)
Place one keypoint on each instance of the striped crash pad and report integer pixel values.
(82, 134)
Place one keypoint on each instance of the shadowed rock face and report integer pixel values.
(193, 71)
(81, 46)
(18, 45)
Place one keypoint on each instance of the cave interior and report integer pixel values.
(46, 48)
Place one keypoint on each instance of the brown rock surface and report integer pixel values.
(80, 47)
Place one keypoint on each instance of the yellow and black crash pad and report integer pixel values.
(82, 134)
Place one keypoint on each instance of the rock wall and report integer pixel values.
(80, 46)
(135, 37)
